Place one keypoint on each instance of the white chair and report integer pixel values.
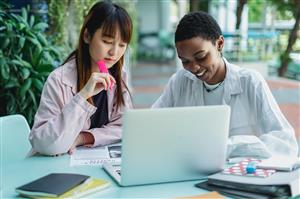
(14, 131)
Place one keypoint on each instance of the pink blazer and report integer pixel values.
(63, 114)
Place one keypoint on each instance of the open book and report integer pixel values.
(97, 155)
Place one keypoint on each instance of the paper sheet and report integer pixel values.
(283, 163)
(96, 156)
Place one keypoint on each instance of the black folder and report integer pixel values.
(280, 184)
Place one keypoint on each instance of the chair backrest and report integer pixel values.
(14, 131)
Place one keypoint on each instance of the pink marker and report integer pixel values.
(103, 69)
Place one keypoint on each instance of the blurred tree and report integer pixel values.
(284, 7)
(196, 5)
(66, 18)
(239, 11)
(56, 13)
(256, 9)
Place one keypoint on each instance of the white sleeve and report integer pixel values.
(277, 134)
(167, 97)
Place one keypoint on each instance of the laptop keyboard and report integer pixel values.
(117, 168)
(118, 171)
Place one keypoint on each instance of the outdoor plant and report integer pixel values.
(26, 59)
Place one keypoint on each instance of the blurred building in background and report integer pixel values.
(259, 36)
(257, 39)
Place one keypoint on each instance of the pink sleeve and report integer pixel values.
(57, 123)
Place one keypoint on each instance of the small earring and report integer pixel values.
(86, 37)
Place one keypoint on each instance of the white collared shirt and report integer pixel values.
(257, 126)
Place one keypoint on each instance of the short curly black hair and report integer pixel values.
(198, 24)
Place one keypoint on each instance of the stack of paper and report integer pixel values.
(281, 163)
(280, 184)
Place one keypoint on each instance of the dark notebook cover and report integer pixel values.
(53, 184)
(245, 190)
(230, 192)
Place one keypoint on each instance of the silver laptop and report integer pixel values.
(171, 144)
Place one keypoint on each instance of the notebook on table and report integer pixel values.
(63, 185)
(171, 144)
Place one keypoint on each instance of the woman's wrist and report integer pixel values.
(87, 138)
(82, 139)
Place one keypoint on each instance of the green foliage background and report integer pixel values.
(30, 49)
(26, 59)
